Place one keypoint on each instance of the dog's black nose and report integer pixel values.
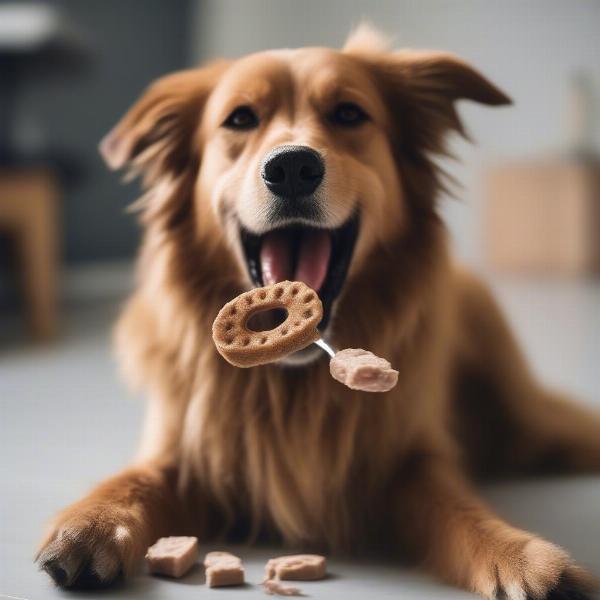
(293, 171)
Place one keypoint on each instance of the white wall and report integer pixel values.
(529, 48)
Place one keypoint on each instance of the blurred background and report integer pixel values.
(70, 69)
(526, 212)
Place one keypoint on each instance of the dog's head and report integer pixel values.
(302, 161)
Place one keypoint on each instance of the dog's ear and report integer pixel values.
(157, 132)
(422, 88)
(443, 77)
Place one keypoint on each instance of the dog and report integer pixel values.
(320, 165)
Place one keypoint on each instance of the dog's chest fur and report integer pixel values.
(298, 451)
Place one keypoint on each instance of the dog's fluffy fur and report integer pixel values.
(286, 451)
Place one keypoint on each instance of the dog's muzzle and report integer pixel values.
(296, 244)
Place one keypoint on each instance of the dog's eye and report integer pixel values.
(348, 115)
(243, 117)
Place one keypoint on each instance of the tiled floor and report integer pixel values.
(66, 422)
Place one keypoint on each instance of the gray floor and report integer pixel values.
(59, 406)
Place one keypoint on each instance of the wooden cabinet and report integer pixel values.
(543, 218)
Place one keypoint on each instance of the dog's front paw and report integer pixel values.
(566, 590)
(88, 549)
(539, 570)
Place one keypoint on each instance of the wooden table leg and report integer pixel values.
(29, 206)
(39, 251)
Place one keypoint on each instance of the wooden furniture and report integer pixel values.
(29, 214)
(543, 217)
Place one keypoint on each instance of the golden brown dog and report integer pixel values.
(317, 164)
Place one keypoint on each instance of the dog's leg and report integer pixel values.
(443, 521)
(564, 436)
(103, 536)
(505, 420)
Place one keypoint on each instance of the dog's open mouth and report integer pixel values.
(318, 257)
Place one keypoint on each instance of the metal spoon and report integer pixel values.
(325, 346)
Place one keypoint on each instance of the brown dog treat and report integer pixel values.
(243, 347)
(274, 587)
(296, 567)
(173, 556)
(362, 370)
(223, 568)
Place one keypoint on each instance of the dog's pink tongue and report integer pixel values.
(314, 251)
(276, 258)
(313, 258)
